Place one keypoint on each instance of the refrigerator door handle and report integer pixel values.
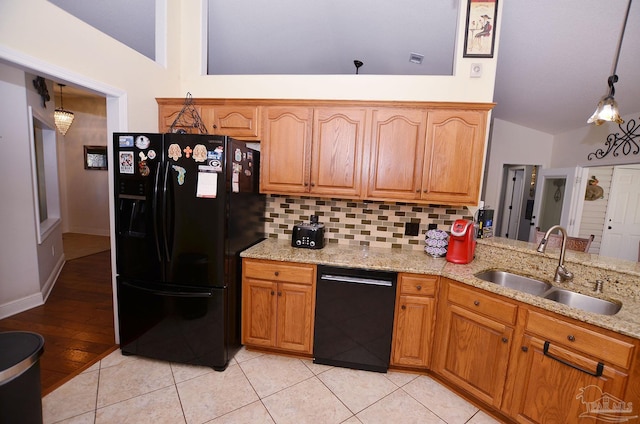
(156, 229)
(165, 226)
(172, 293)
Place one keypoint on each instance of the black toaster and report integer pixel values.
(309, 236)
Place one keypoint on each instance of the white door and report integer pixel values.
(558, 200)
(621, 234)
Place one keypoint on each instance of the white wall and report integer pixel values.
(19, 277)
(85, 192)
(512, 144)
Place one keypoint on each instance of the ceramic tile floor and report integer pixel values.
(256, 388)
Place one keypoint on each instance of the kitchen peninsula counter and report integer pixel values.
(622, 278)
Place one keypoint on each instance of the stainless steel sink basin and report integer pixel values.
(584, 302)
(547, 291)
(514, 281)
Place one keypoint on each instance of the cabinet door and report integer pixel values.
(295, 317)
(473, 352)
(259, 303)
(286, 150)
(549, 391)
(336, 158)
(397, 154)
(240, 122)
(169, 113)
(454, 156)
(413, 331)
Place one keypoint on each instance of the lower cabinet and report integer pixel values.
(563, 373)
(278, 302)
(474, 340)
(414, 320)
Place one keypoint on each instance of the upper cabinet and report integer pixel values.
(390, 151)
(316, 151)
(223, 117)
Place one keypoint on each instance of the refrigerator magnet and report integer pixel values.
(235, 182)
(151, 154)
(125, 141)
(174, 151)
(207, 186)
(181, 173)
(215, 165)
(237, 155)
(126, 162)
(187, 152)
(142, 156)
(199, 153)
(144, 169)
(142, 142)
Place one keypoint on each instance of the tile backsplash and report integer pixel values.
(351, 222)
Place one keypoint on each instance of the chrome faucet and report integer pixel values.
(562, 273)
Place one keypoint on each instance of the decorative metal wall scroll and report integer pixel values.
(627, 144)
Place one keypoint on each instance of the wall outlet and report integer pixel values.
(411, 228)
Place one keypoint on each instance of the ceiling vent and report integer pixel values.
(416, 58)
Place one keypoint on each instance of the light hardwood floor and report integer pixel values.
(76, 321)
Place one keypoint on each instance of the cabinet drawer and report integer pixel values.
(600, 346)
(279, 271)
(420, 285)
(483, 304)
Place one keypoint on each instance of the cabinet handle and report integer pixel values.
(272, 292)
(571, 338)
(279, 293)
(525, 348)
(215, 126)
(403, 307)
(276, 273)
(476, 302)
(418, 191)
(313, 184)
(306, 184)
(505, 340)
(419, 287)
(599, 367)
(425, 191)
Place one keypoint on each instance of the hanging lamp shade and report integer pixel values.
(607, 109)
(63, 118)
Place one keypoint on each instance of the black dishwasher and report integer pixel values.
(354, 318)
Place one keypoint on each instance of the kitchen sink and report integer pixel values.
(547, 291)
(584, 302)
(515, 281)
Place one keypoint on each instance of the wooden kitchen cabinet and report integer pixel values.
(562, 371)
(421, 155)
(316, 151)
(278, 303)
(240, 122)
(414, 320)
(474, 340)
(453, 156)
(397, 154)
(227, 118)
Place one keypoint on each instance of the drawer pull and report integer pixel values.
(599, 367)
(525, 348)
(476, 302)
(571, 338)
(403, 307)
(272, 292)
(279, 293)
(276, 273)
(419, 287)
(505, 340)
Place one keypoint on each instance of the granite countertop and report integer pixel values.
(622, 278)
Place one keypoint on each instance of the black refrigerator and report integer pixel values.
(185, 207)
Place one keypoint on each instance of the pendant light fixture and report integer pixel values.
(63, 118)
(607, 110)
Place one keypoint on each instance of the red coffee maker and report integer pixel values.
(462, 242)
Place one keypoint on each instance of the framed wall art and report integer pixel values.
(95, 157)
(480, 29)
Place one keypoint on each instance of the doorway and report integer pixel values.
(621, 231)
(516, 201)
